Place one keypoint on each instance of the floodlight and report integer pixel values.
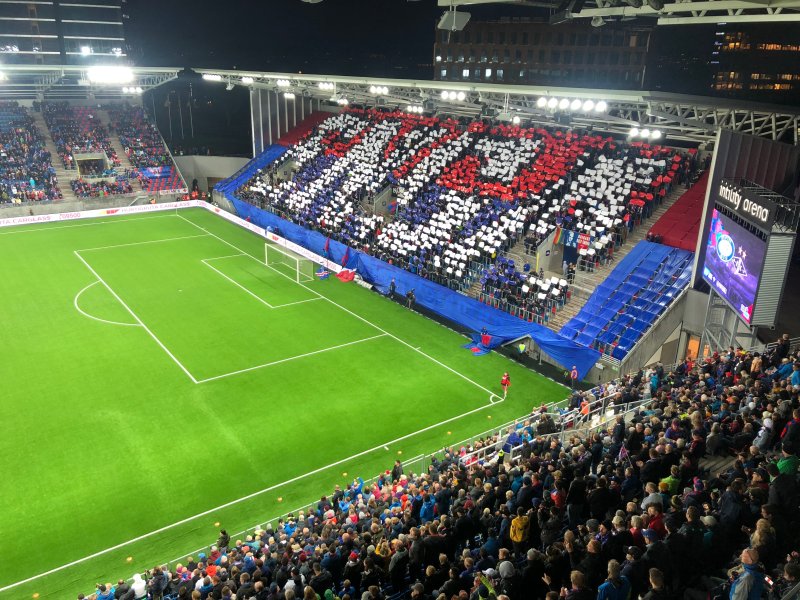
(598, 22)
(109, 74)
(575, 105)
(461, 96)
(633, 132)
(438, 58)
(212, 77)
(655, 134)
(283, 83)
(444, 95)
(552, 103)
(452, 95)
(588, 105)
(86, 50)
(247, 80)
(138, 90)
(645, 133)
(564, 104)
(288, 95)
(372, 89)
(229, 87)
(541, 102)
(125, 90)
(515, 120)
(601, 106)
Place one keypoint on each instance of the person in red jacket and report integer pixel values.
(505, 383)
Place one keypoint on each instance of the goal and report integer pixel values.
(289, 263)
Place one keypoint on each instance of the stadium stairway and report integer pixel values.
(64, 175)
(585, 282)
(105, 119)
(635, 294)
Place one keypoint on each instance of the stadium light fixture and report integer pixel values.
(645, 133)
(598, 21)
(126, 90)
(283, 83)
(378, 89)
(655, 134)
(634, 132)
(552, 103)
(575, 104)
(342, 101)
(601, 106)
(588, 105)
(247, 80)
(414, 108)
(564, 104)
(461, 96)
(101, 74)
(86, 50)
(325, 85)
(444, 95)
(288, 95)
(541, 102)
(212, 77)
(452, 95)
(516, 120)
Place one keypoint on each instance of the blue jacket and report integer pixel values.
(749, 585)
(426, 512)
(609, 591)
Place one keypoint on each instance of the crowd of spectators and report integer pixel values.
(139, 137)
(623, 512)
(26, 173)
(76, 129)
(466, 191)
(98, 189)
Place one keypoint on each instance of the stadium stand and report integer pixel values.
(26, 173)
(680, 225)
(632, 297)
(686, 487)
(302, 129)
(91, 189)
(140, 138)
(465, 191)
(76, 129)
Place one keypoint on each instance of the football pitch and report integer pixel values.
(160, 381)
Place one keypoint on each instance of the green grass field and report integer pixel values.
(159, 378)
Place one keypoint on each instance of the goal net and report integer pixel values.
(289, 263)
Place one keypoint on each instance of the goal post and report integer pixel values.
(289, 263)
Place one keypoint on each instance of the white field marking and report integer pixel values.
(138, 320)
(221, 257)
(283, 360)
(357, 316)
(173, 239)
(105, 221)
(85, 314)
(239, 285)
(237, 501)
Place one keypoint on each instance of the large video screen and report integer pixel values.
(734, 258)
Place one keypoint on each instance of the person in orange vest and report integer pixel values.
(584, 409)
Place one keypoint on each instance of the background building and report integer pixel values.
(527, 51)
(58, 32)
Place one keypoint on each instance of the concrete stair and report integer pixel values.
(64, 175)
(586, 283)
(105, 119)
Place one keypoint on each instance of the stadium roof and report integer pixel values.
(76, 82)
(693, 119)
(689, 12)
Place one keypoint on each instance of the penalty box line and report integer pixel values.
(238, 500)
(206, 261)
(359, 317)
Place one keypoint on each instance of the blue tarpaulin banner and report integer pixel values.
(452, 305)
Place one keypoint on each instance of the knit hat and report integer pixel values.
(354, 556)
(650, 534)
